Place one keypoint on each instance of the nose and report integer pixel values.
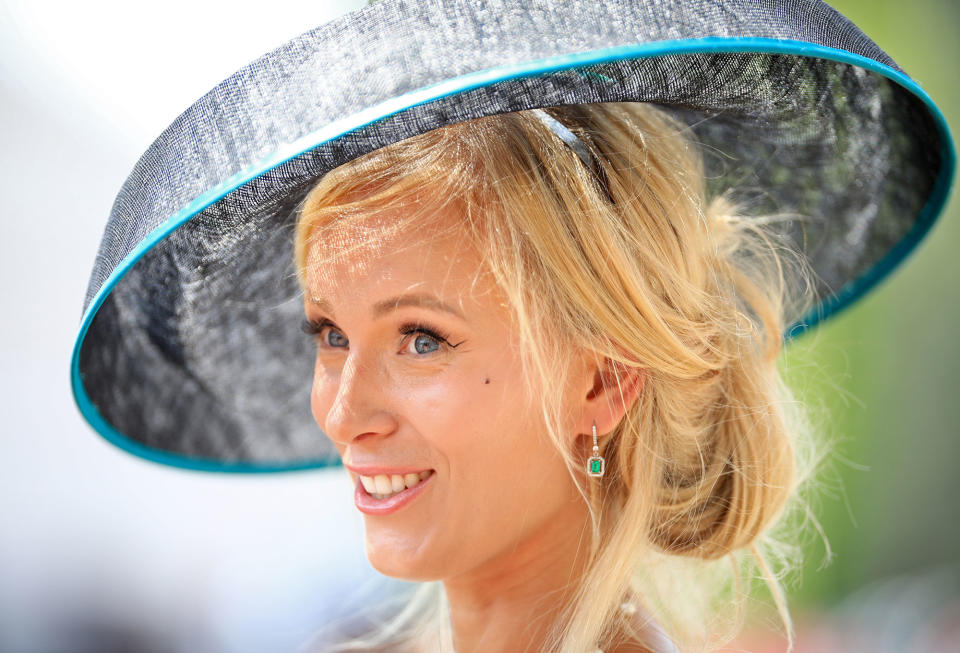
(358, 409)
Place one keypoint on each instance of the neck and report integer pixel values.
(511, 602)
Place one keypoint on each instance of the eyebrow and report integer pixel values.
(381, 308)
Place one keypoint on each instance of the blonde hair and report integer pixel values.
(628, 261)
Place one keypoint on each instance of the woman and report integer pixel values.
(544, 338)
(523, 302)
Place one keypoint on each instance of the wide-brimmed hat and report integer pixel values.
(189, 351)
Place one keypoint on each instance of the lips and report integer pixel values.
(400, 490)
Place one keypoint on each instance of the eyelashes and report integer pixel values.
(315, 328)
(416, 327)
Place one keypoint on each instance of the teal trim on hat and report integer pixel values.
(847, 295)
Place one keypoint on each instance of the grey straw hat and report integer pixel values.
(189, 352)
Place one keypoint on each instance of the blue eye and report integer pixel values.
(426, 341)
(319, 330)
(337, 339)
(424, 344)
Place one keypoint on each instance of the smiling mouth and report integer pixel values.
(384, 486)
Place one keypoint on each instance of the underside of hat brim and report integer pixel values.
(113, 407)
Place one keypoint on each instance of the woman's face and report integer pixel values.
(418, 374)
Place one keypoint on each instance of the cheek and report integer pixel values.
(507, 479)
(321, 395)
(493, 435)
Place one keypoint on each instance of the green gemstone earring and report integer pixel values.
(595, 464)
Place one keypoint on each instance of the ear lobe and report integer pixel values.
(614, 390)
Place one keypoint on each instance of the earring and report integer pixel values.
(595, 465)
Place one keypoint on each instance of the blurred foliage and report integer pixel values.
(882, 376)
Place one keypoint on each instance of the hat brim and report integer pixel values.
(177, 363)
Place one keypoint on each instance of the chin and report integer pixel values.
(399, 562)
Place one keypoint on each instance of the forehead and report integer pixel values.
(395, 250)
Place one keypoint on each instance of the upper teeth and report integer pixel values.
(382, 486)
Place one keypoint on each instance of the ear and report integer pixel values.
(608, 389)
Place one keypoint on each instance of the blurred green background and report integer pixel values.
(882, 377)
